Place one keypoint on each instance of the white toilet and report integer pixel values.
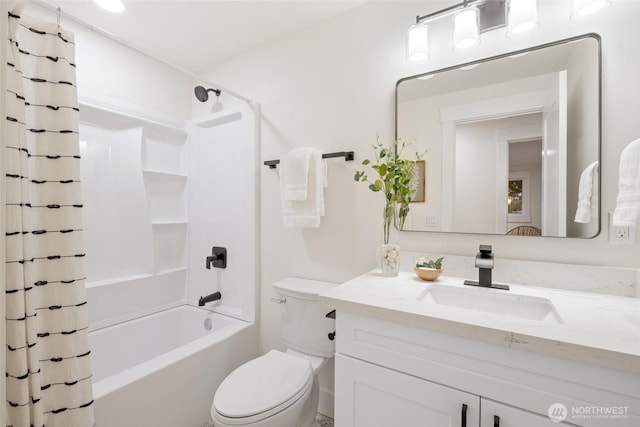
(281, 389)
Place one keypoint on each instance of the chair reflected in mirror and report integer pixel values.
(525, 230)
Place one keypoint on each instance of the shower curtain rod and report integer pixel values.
(125, 43)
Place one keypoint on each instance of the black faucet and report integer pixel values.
(218, 258)
(484, 263)
(212, 297)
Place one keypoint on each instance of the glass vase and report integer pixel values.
(390, 259)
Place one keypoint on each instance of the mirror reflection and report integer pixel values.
(509, 140)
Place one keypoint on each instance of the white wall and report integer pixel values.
(476, 187)
(420, 117)
(475, 178)
(332, 87)
(222, 209)
(110, 71)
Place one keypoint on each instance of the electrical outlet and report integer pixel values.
(622, 232)
(621, 235)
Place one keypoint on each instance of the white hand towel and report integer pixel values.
(295, 173)
(305, 213)
(588, 194)
(627, 212)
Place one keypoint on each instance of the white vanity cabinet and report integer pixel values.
(495, 414)
(375, 396)
(392, 375)
(371, 396)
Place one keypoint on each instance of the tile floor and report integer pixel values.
(324, 421)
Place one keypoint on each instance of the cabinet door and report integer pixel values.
(368, 395)
(496, 414)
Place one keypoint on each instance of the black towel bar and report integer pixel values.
(348, 156)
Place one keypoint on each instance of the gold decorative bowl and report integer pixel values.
(429, 274)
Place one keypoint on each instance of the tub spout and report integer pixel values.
(213, 297)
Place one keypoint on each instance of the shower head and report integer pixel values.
(203, 94)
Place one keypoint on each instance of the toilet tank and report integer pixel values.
(305, 327)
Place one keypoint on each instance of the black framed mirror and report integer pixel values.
(509, 139)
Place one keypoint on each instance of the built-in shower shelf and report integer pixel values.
(123, 116)
(115, 280)
(169, 223)
(161, 174)
(171, 271)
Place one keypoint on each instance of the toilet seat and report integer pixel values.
(262, 387)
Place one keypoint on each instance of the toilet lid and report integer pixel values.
(262, 384)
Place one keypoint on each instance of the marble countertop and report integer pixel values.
(590, 328)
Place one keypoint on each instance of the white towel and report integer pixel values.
(588, 194)
(295, 173)
(627, 212)
(305, 213)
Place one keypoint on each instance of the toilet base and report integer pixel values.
(311, 406)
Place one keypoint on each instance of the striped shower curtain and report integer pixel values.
(48, 379)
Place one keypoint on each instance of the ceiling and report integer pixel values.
(198, 34)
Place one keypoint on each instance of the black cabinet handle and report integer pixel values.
(496, 421)
(464, 415)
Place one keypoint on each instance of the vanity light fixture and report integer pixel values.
(522, 16)
(116, 6)
(587, 7)
(466, 28)
(418, 43)
(474, 17)
(470, 19)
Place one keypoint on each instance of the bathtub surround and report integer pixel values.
(48, 370)
(155, 174)
(135, 216)
(222, 191)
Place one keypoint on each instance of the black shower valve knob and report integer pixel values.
(218, 258)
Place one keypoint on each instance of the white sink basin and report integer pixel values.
(498, 302)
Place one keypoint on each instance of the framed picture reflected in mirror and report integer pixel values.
(420, 196)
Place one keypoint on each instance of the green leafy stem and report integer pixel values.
(396, 178)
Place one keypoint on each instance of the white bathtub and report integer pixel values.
(162, 370)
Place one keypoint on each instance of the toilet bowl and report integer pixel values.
(280, 389)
